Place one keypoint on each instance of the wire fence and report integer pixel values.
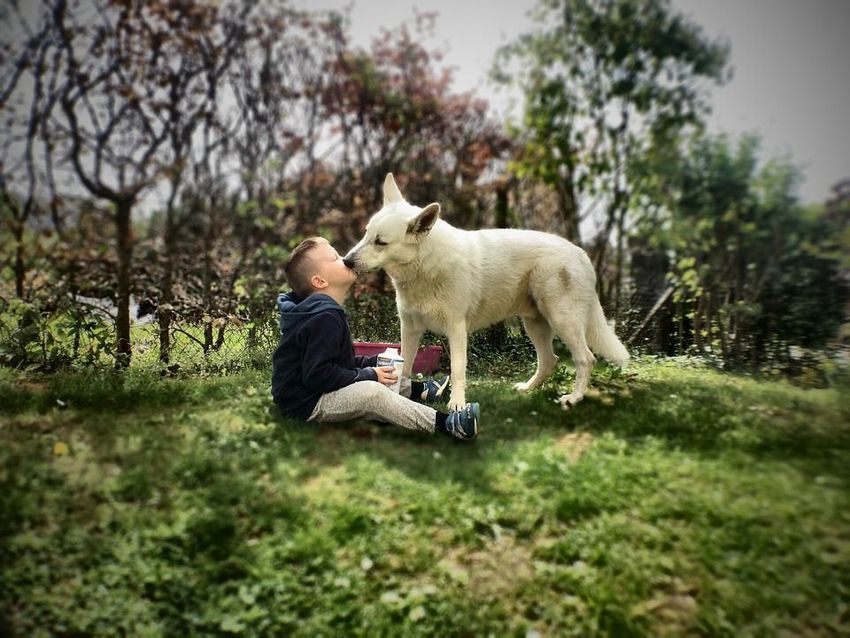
(82, 336)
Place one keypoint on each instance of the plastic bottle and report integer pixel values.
(391, 357)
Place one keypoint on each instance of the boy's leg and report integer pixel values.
(373, 400)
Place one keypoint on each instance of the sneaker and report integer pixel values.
(463, 424)
(433, 391)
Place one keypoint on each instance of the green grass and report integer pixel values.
(673, 501)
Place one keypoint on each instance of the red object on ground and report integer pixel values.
(427, 359)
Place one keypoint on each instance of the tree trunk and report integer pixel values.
(207, 279)
(20, 269)
(502, 205)
(618, 271)
(164, 310)
(208, 337)
(721, 332)
(569, 209)
(616, 215)
(601, 252)
(698, 309)
(123, 226)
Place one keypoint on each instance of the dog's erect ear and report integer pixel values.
(391, 192)
(425, 220)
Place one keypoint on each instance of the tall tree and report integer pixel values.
(397, 112)
(604, 79)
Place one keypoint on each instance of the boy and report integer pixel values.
(316, 376)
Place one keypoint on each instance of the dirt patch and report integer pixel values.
(498, 570)
(31, 385)
(574, 445)
(671, 612)
(328, 485)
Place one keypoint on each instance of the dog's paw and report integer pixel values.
(457, 403)
(568, 401)
(564, 403)
(525, 386)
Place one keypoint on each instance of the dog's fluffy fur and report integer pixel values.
(453, 282)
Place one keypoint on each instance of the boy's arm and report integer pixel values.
(319, 370)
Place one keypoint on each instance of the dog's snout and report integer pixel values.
(348, 260)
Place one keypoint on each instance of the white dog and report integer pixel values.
(454, 282)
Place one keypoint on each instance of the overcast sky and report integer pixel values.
(791, 61)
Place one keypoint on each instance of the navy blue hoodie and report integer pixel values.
(315, 355)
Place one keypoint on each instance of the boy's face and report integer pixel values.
(331, 273)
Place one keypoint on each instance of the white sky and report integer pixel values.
(791, 61)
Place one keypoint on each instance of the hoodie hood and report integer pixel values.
(294, 309)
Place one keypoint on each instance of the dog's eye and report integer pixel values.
(380, 242)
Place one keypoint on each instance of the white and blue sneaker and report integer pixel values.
(463, 424)
(433, 391)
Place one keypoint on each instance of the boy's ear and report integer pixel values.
(424, 221)
(391, 192)
(318, 282)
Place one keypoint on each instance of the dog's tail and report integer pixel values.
(602, 339)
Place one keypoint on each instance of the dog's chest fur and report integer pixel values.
(426, 304)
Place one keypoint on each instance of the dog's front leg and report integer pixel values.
(411, 335)
(457, 346)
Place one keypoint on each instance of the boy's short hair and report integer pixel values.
(300, 268)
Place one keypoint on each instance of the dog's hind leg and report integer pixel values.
(562, 299)
(571, 330)
(541, 335)
(571, 327)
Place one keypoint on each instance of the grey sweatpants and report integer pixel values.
(373, 400)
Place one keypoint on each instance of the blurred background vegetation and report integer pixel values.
(160, 159)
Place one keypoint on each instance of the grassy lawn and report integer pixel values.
(673, 501)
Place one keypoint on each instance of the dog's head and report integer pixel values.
(393, 234)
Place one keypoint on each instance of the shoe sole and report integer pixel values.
(476, 414)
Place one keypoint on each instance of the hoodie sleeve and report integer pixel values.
(366, 362)
(321, 371)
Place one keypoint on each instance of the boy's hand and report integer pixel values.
(386, 375)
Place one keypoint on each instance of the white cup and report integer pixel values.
(398, 365)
